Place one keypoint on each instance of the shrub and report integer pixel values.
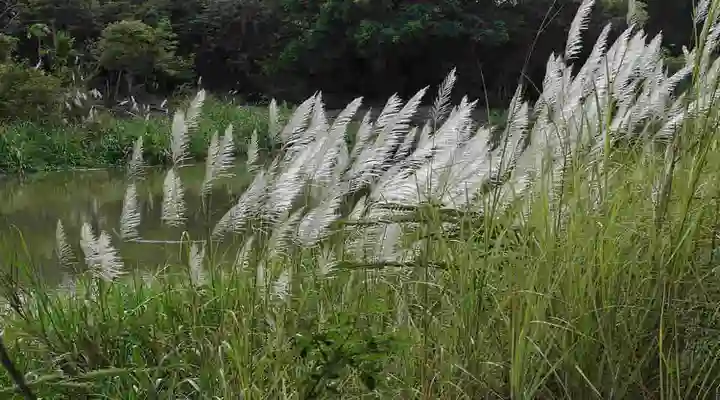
(28, 94)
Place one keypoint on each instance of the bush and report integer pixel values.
(28, 94)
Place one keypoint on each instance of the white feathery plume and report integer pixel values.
(387, 114)
(212, 155)
(364, 150)
(135, 165)
(88, 244)
(326, 262)
(195, 261)
(283, 234)
(194, 110)
(173, 206)
(636, 14)
(289, 185)
(242, 258)
(179, 138)
(319, 120)
(225, 157)
(389, 138)
(130, 215)
(220, 160)
(281, 287)
(100, 256)
(451, 164)
(315, 224)
(389, 248)
(109, 266)
(701, 11)
(425, 135)
(62, 248)
(362, 136)
(298, 122)
(253, 155)
(330, 159)
(358, 210)
(578, 24)
(247, 207)
(406, 147)
(442, 101)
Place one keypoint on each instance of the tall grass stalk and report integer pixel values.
(574, 258)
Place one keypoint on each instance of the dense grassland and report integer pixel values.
(589, 267)
(107, 141)
(612, 304)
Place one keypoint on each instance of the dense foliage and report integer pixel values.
(290, 48)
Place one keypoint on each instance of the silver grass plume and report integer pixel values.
(701, 11)
(100, 256)
(195, 261)
(253, 156)
(212, 154)
(194, 109)
(284, 234)
(330, 152)
(315, 224)
(441, 105)
(130, 215)
(578, 24)
(247, 207)
(135, 166)
(242, 258)
(173, 206)
(220, 159)
(109, 266)
(88, 244)
(62, 248)
(281, 287)
(297, 122)
(179, 138)
(451, 164)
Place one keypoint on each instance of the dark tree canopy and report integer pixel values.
(290, 48)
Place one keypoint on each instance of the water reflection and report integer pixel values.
(29, 212)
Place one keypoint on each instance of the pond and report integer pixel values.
(30, 210)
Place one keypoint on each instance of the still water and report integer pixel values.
(29, 212)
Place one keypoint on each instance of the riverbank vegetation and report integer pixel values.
(107, 140)
(65, 64)
(570, 254)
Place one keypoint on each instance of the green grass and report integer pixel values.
(614, 305)
(608, 289)
(33, 147)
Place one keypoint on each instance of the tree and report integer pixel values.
(132, 49)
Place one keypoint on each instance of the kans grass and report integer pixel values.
(576, 258)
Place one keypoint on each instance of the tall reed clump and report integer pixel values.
(573, 258)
